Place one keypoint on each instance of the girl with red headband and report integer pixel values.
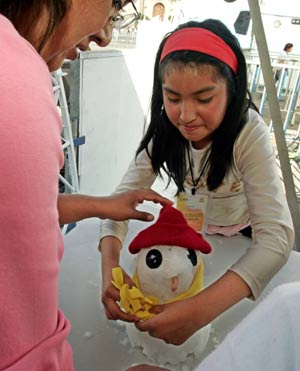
(206, 134)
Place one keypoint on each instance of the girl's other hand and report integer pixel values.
(110, 299)
(174, 323)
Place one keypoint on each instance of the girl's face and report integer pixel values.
(195, 101)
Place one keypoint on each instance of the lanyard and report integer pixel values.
(191, 165)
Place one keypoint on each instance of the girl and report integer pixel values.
(208, 137)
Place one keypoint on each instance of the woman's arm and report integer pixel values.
(122, 206)
(139, 175)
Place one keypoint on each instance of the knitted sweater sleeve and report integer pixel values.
(271, 222)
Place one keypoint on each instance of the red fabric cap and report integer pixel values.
(170, 229)
(203, 41)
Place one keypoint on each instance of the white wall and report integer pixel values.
(271, 10)
(113, 99)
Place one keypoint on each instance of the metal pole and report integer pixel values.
(276, 116)
(142, 7)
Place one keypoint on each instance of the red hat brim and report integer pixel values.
(170, 229)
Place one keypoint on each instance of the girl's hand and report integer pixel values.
(110, 298)
(174, 323)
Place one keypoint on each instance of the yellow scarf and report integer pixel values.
(133, 301)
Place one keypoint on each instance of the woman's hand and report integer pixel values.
(122, 206)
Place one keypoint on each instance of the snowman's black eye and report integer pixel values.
(192, 256)
(153, 259)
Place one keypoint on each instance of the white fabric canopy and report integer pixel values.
(268, 338)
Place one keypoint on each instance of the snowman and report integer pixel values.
(168, 268)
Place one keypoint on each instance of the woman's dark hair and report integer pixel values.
(169, 146)
(25, 13)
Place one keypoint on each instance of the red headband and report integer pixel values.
(200, 40)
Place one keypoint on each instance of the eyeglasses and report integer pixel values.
(122, 21)
(117, 4)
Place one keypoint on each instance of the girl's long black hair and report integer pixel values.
(169, 146)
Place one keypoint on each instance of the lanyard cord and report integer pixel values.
(191, 165)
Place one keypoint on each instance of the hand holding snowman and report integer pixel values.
(169, 271)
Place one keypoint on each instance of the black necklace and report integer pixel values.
(195, 182)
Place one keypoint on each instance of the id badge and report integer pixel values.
(193, 207)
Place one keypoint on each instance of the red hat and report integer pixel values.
(170, 229)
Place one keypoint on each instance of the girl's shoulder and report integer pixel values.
(255, 118)
(254, 138)
(254, 127)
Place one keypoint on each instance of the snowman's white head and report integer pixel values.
(166, 271)
(168, 255)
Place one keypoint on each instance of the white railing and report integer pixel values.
(287, 87)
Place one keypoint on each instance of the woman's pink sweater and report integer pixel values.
(33, 330)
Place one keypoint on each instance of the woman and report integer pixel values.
(33, 330)
(283, 59)
(206, 134)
